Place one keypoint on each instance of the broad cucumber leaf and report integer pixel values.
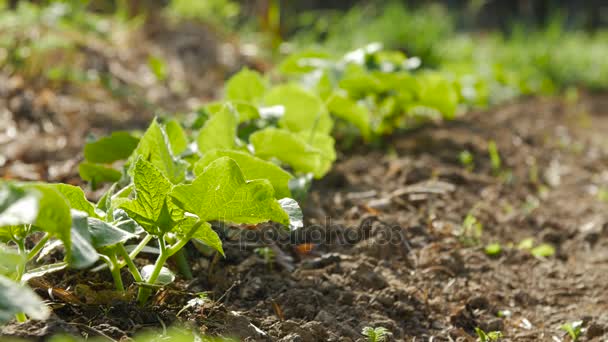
(10, 260)
(345, 108)
(98, 173)
(438, 93)
(177, 137)
(109, 149)
(221, 193)
(43, 270)
(325, 144)
(294, 149)
(54, 212)
(252, 168)
(16, 298)
(155, 148)
(18, 207)
(304, 62)
(104, 234)
(246, 85)
(149, 208)
(304, 111)
(76, 198)
(209, 237)
(292, 208)
(245, 111)
(219, 131)
(82, 252)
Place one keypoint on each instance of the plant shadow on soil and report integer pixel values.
(380, 245)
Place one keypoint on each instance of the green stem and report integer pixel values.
(32, 254)
(112, 262)
(21, 266)
(132, 268)
(21, 317)
(181, 261)
(137, 250)
(145, 292)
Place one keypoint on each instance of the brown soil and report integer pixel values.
(381, 244)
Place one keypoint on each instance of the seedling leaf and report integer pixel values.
(252, 168)
(221, 193)
(304, 111)
(117, 146)
(219, 131)
(154, 147)
(15, 298)
(246, 85)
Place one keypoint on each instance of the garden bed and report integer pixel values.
(383, 244)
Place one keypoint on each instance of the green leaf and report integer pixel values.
(158, 67)
(150, 204)
(325, 144)
(54, 212)
(292, 208)
(219, 132)
(209, 237)
(104, 234)
(15, 298)
(304, 62)
(177, 137)
(221, 193)
(438, 93)
(164, 278)
(293, 149)
(17, 207)
(97, 173)
(76, 198)
(109, 149)
(245, 111)
(252, 168)
(154, 147)
(345, 108)
(10, 260)
(246, 85)
(44, 270)
(82, 252)
(304, 111)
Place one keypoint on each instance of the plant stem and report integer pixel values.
(115, 270)
(21, 317)
(132, 268)
(137, 249)
(32, 254)
(145, 292)
(181, 261)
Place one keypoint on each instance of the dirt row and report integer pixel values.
(383, 244)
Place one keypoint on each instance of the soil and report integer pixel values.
(383, 245)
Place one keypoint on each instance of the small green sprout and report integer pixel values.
(379, 334)
(466, 159)
(573, 329)
(493, 249)
(489, 336)
(543, 250)
(504, 313)
(526, 244)
(267, 254)
(602, 194)
(471, 230)
(494, 157)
